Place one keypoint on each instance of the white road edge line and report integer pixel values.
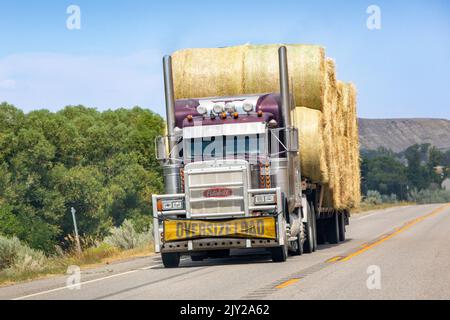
(76, 285)
(86, 282)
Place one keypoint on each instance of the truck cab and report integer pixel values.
(232, 177)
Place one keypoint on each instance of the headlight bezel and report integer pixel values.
(265, 199)
(172, 204)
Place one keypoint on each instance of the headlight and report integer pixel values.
(265, 199)
(170, 205)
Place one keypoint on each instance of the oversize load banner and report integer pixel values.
(250, 228)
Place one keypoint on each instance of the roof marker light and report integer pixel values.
(248, 107)
(230, 107)
(202, 110)
(218, 108)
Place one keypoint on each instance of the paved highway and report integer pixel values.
(398, 253)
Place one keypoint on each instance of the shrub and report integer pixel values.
(389, 199)
(429, 196)
(373, 197)
(126, 237)
(18, 257)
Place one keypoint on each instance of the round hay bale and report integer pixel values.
(250, 69)
(307, 71)
(312, 149)
(332, 194)
(208, 72)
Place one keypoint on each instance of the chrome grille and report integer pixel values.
(216, 188)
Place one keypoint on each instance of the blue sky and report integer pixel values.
(402, 70)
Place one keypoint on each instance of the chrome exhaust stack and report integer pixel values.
(291, 134)
(171, 169)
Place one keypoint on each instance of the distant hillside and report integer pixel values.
(399, 134)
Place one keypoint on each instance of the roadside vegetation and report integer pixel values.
(413, 176)
(100, 163)
(19, 262)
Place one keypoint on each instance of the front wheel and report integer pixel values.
(171, 260)
(297, 246)
(279, 254)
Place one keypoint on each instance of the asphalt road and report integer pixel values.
(398, 253)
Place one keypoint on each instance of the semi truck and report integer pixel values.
(233, 179)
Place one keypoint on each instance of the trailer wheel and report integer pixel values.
(308, 245)
(342, 226)
(321, 231)
(333, 229)
(171, 260)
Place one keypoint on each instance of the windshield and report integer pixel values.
(248, 147)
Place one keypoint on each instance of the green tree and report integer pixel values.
(386, 175)
(100, 163)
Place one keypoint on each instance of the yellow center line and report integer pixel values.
(334, 259)
(287, 283)
(399, 230)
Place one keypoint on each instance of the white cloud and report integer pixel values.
(52, 81)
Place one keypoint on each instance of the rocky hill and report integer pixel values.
(399, 134)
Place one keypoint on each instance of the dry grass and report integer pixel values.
(90, 258)
(365, 207)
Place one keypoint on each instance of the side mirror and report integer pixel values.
(292, 143)
(162, 148)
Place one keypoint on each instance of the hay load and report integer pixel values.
(250, 69)
(354, 146)
(312, 155)
(325, 114)
(307, 69)
(209, 72)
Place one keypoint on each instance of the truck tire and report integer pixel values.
(342, 226)
(333, 229)
(279, 254)
(321, 231)
(308, 245)
(314, 221)
(171, 260)
(297, 246)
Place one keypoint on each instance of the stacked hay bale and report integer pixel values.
(325, 113)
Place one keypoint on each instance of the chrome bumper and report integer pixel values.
(219, 243)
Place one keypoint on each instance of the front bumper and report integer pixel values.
(217, 243)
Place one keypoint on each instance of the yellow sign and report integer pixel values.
(249, 228)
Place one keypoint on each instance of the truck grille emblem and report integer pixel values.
(218, 193)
